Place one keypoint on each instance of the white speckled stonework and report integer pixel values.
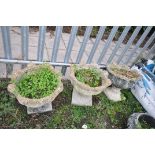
(80, 99)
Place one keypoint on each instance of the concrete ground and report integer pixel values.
(15, 35)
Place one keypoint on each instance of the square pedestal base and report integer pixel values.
(80, 99)
(113, 93)
(44, 108)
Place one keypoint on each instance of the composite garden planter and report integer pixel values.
(141, 121)
(82, 92)
(35, 105)
(122, 76)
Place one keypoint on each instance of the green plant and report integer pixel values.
(118, 112)
(37, 84)
(103, 114)
(143, 125)
(145, 122)
(94, 31)
(6, 101)
(3, 84)
(6, 104)
(89, 76)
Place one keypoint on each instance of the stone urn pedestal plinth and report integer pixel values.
(34, 105)
(82, 93)
(122, 77)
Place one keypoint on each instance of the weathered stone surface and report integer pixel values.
(80, 99)
(113, 93)
(134, 121)
(44, 108)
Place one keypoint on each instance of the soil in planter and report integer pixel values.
(127, 73)
(146, 122)
(90, 77)
(144, 125)
(37, 84)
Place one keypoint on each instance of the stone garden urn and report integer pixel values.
(82, 93)
(122, 77)
(34, 105)
(141, 121)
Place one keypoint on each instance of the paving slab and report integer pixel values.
(125, 58)
(96, 55)
(76, 45)
(1, 51)
(74, 55)
(80, 39)
(2, 70)
(16, 51)
(33, 41)
(92, 39)
(105, 59)
(32, 55)
(15, 30)
(15, 39)
(146, 54)
(1, 46)
(65, 36)
(115, 58)
(1, 37)
(49, 42)
(60, 55)
(16, 67)
(89, 48)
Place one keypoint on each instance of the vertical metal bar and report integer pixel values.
(148, 43)
(6, 42)
(105, 48)
(41, 42)
(70, 44)
(152, 48)
(69, 47)
(56, 43)
(98, 38)
(121, 38)
(84, 43)
(25, 36)
(129, 43)
(138, 43)
(7, 48)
